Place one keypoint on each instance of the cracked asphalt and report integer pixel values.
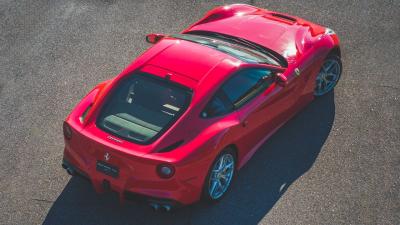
(337, 162)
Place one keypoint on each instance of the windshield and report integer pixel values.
(142, 107)
(241, 52)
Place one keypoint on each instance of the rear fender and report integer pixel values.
(90, 99)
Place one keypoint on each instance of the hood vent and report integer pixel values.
(284, 17)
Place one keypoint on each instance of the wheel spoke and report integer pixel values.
(327, 66)
(213, 187)
(221, 163)
(323, 85)
(334, 69)
(223, 176)
(229, 165)
(214, 176)
(319, 85)
(330, 77)
(319, 82)
(215, 171)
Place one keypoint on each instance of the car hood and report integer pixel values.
(268, 29)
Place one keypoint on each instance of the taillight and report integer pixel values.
(67, 131)
(165, 170)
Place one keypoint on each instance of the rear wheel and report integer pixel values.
(328, 76)
(220, 176)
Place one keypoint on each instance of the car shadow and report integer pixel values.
(286, 156)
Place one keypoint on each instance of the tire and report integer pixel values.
(328, 76)
(211, 196)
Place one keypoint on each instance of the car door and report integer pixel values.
(281, 102)
(261, 104)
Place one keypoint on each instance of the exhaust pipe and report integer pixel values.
(70, 171)
(167, 208)
(160, 207)
(155, 206)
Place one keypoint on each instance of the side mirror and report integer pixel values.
(154, 38)
(281, 80)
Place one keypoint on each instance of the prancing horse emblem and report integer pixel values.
(107, 156)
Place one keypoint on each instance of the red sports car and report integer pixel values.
(177, 123)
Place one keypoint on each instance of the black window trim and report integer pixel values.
(252, 94)
(146, 75)
(243, 101)
(224, 98)
(225, 37)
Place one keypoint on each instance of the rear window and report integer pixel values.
(142, 107)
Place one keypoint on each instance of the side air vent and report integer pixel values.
(171, 147)
(287, 18)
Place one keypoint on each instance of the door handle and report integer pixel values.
(244, 123)
(297, 72)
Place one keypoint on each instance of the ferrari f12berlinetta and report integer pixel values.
(177, 124)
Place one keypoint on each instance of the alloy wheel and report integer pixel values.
(328, 76)
(221, 175)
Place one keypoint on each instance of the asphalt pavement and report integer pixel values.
(337, 162)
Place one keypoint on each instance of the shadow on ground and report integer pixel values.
(285, 157)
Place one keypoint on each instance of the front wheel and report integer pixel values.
(328, 76)
(220, 176)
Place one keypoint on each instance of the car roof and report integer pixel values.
(186, 62)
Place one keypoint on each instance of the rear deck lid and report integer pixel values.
(142, 107)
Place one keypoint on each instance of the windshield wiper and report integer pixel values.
(236, 40)
(280, 60)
